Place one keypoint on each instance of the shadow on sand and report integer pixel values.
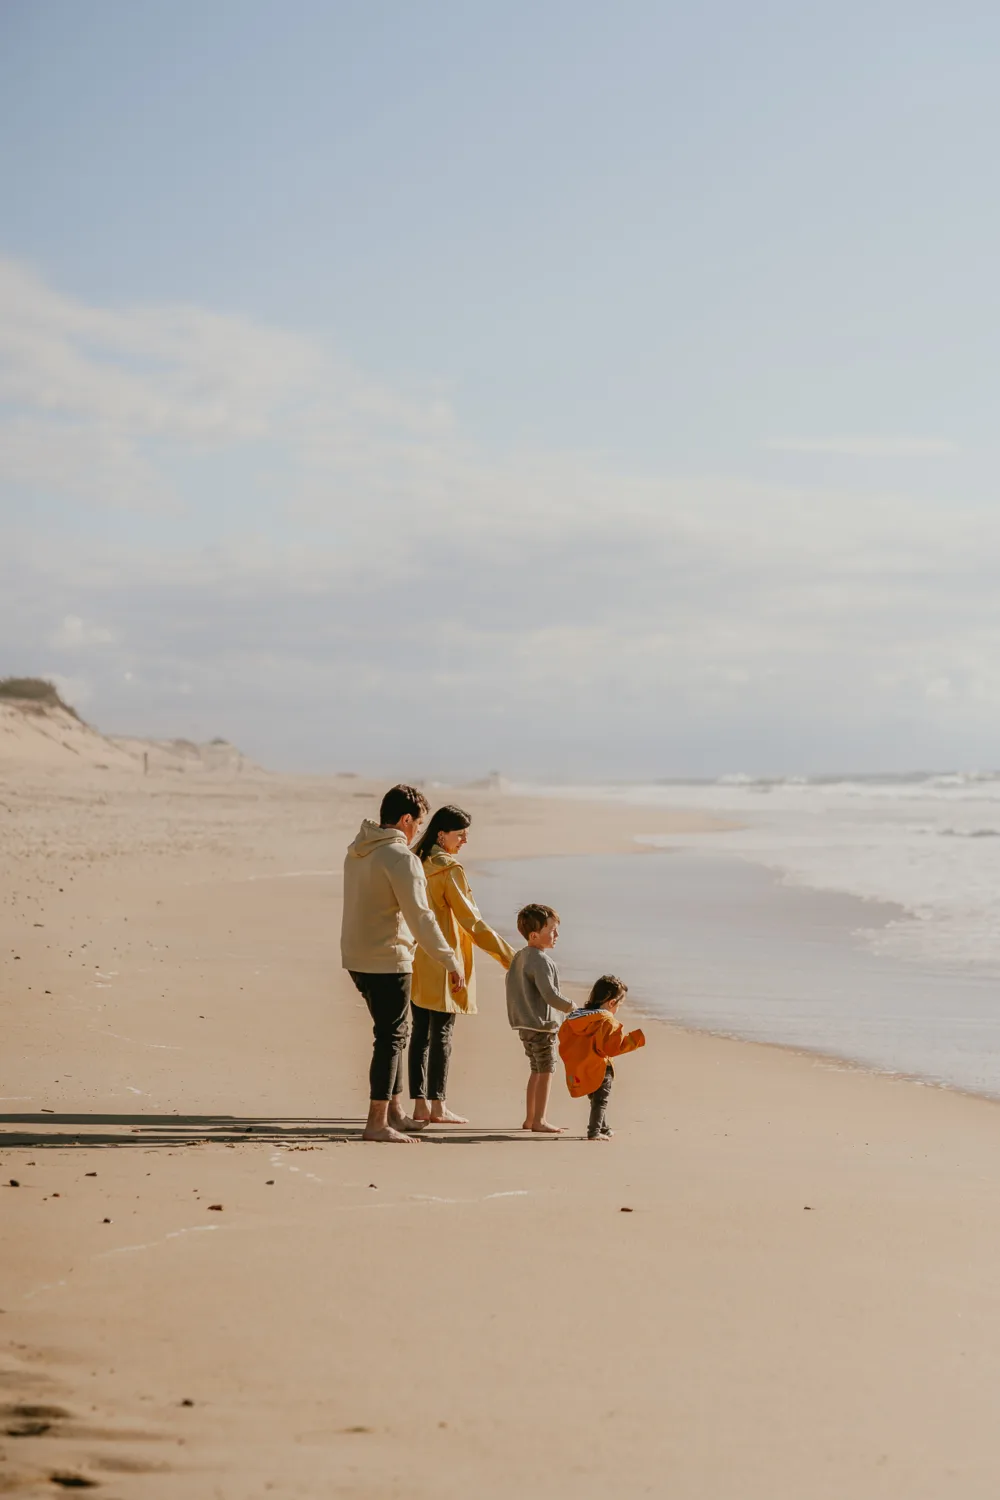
(89, 1131)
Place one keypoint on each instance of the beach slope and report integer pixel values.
(777, 1282)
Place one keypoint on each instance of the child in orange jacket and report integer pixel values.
(588, 1039)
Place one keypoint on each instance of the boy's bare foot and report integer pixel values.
(387, 1133)
(544, 1128)
(447, 1117)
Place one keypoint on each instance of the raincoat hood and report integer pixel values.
(439, 860)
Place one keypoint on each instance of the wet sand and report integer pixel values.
(801, 1302)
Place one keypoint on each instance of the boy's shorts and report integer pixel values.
(540, 1049)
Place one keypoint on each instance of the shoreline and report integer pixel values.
(355, 1320)
(721, 944)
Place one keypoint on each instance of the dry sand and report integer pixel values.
(802, 1303)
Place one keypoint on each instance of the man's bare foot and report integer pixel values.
(405, 1122)
(447, 1117)
(387, 1133)
(544, 1128)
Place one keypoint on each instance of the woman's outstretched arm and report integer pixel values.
(459, 897)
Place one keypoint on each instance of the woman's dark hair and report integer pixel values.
(608, 987)
(447, 819)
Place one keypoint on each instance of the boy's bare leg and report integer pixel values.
(529, 1102)
(378, 1127)
(539, 1088)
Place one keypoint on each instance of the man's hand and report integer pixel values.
(457, 982)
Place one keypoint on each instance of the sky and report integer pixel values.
(565, 388)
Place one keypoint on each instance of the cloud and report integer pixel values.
(75, 634)
(94, 400)
(861, 447)
(334, 574)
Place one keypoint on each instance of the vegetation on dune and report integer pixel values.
(34, 690)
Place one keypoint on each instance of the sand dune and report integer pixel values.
(51, 735)
(36, 734)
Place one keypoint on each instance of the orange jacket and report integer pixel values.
(587, 1039)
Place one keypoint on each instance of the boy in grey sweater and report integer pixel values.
(535, 1008)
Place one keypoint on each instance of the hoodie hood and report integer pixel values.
(371, 837)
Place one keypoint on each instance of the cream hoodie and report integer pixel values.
(385, 907)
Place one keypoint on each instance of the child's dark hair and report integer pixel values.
(447, 819)
(400, 800)
(533, 917)
(608, 987)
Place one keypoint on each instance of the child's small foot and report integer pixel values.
(448, 1117)
(544, 1128)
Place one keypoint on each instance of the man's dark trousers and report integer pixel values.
(387, 997)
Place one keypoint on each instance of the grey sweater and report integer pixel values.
(533, 999)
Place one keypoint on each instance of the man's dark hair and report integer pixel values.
(608, 987)
(400, 800)
(533, 917)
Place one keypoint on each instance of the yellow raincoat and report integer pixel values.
(450, 898)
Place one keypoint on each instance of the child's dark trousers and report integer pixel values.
(598, 1106)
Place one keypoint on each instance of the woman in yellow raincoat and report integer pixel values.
(435, 1004)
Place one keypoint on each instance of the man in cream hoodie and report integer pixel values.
(385, 916)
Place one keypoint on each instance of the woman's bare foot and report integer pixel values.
(387, 1133)
(544, 1128)
(446, 1117)
(422, 1111)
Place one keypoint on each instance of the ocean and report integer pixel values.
(858, 917)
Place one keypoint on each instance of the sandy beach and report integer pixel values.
(777, 1283)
